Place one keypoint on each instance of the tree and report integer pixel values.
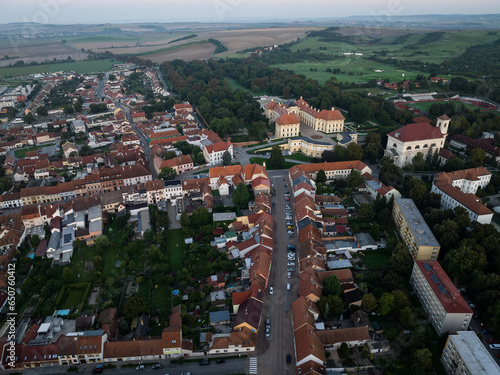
(241, 196)
(401, 300)
(185, 222)
(369, 303)
(408, 318)
(401, 261)
(67, 275)
(354, 179)
(477, 157)
(423, 360)
(35, 241)
(360, 112)
(419, 162)
(354, 152)
(102, 243)
(97, 260)
(78, 107)
(366, 210)
(321, 177)
(344, 350)
(462, 263)
(29, 118)
(42, 111)
(416, 189)
(372, 151)
(135, 306)
(332, 286)
(390, 174)
(331, 306)
(200, 217)
(454, 164)
(385, 303)
(167, 173)
(68, 109)
(277, 161)
(226, 158)
(375, 231)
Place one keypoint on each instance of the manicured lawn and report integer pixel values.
(376, 259)
(160, 298)
(74, 298)
(260, 161)
(175, 249)
(21, 154)
(300, 157)
(77, 66)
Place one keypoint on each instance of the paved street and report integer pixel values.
(144, 141)
(272, 351)
(232, 366)
(99, 93)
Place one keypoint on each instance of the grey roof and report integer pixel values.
(313, 141)
(346, 137)
(225, 216)
(474, 353)
(95, 212)
(374, 184)
(219, 316)
(418, 226)
(172, 183)
(68, 236)
(143, 221)
(54, 240)
(365, 239)
(95, 226)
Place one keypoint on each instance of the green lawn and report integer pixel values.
(175, 249)
(21, 153)
(425, 106)
(235, 85)
(300, 157)
(260, 161)
(77, 66)
(376, 259)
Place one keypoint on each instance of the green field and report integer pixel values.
(376, 259)
(175, 249)
(300, 157)
(21, 154)
(93, 66)
(425, 106)
(75, 297)
(357, 69)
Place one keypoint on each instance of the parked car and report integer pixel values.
(288, 359)
(271, 290)
(220, 360)
(486, 332)
(287, 199)
(472, 306)
(288, 275)
(492, 341)
(285, 186)
(288, 286)
(204, 362)
(494, 346)
(290, 232)
(140, 368)
(291, 264)
(482, 325)
(290, 269)
(98, 369)
(268, 331)
(156, 366)
(268, 322)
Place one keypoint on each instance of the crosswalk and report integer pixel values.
(253, 365)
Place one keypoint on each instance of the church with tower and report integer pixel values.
(406, 142)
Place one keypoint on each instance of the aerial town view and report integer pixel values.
(226, 187)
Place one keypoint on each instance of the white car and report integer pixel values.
(271, 290)
(288, 275)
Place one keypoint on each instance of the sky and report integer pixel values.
(114, 11)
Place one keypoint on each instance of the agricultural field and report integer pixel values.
(77, 66)
(161, 47)
(37, 50)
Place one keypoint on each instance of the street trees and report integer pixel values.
(241, 196)
(277, 161)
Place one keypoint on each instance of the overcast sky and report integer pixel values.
(101, 11)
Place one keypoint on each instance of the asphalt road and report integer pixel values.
(144, 141)
(272, 351)
(232, 366)
(99, 93)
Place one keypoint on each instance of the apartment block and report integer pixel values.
(445, 306)
(416, 234)
(465, 354)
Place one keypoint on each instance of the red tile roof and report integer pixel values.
(452, 301)
(417, 132)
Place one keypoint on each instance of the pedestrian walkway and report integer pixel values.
(253, 365)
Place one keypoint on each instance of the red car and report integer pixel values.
(287, 199)
(492, 341)
(482, 325)
(498, 355)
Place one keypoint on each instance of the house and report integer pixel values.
(333, 170)
(287, 125)
(69, 148)
(405, 143)
(213, 152)
(458, 189)
(180, 164)
(78, 126)
(309, 147)
(218, 318)
(172, 335)
(375, 187)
